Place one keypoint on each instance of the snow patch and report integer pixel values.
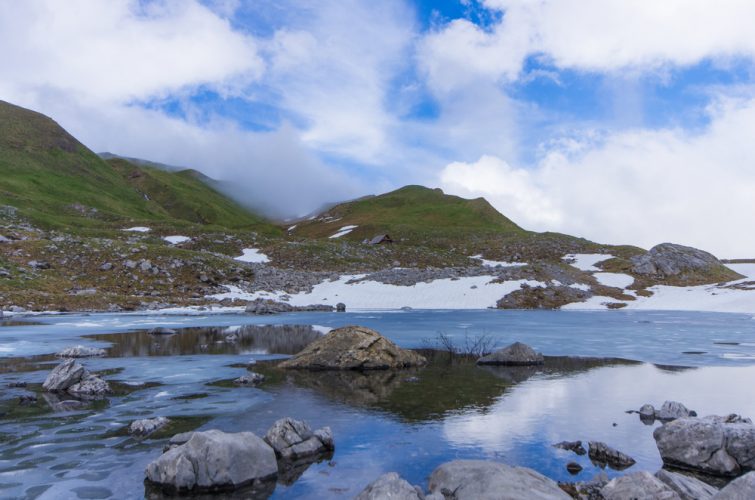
(496, 263)
(475, 292)
(586, 261)
(137, 229)
(581, 286)
(292, 228)
(252, 255)
(343, 231)
(175, 240)
(617, 280)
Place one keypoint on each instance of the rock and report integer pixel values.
(64, 375)
(177, 440)
(90, 385)
(147, 426)
(575, 446)
(38, 264)
(267, 306)
(517, 354)
(340, 307)
(80, 351)
(483, 480)
(251, 378)
(672, 410)
(129, 264)
(709, 445)
(669, 260)
(604, 455)
(687, 487)
(214, 461)
(647, 411)
(539, 297)
(389, 486)
(160, 330)
(353, 348)
(638, 486)
(293, 439)
(573, 468)
(27, 399)
(740, 489)
(107, 266)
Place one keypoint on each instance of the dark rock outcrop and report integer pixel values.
(538, 297)
(353, 348)
(517, 354)
(683, 264)
(603, 455)
(266, 306)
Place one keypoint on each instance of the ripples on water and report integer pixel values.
(408, 422)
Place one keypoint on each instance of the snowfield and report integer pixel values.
(252, 255)
(496, 263)
(586, 261)
(175, 240)
(343, 231)
(137, 229)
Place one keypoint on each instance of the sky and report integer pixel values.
(621, 121)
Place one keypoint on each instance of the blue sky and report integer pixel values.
(622, 121)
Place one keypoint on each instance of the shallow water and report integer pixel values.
(382, 422)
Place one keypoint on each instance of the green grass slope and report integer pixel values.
(412, 214)
(57, 182)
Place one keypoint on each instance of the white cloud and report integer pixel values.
(118, 50)
(592, 35)
(637, 187)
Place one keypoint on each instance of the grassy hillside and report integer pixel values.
(57, 182)
(414, 215)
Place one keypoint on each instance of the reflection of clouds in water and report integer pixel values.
(586, 405)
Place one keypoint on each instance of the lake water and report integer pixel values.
(408, 422)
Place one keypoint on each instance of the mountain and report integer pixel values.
(57, 182)
(413, 214)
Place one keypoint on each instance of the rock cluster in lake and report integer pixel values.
(72, 377)
(80, 351)
(266, 306)
(353, 348)
(294, 439)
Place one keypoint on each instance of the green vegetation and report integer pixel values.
(56, 182)
(413, 215)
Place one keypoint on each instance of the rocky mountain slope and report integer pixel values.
(81, 232)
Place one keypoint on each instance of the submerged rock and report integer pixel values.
(687, 487)
(389, 486)
(294, 439)
(575, 446)
(80, 351)
(251, 378)
(603, 455)
(147, 426)
(517, 354)
(214, 461)
(710, 445)
(353, 348)
(638, 485)
(483, 480)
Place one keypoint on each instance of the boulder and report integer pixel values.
(293, 439)
(638, 486)
(740, 489)
(353, 348)
(213, 461)
(64, 375)
(147, 426)
(647, 411)
(161, 330)
(483, 480)
(340, 307)
(517, 354)
(389, 486)
(709, 445)
(603, 455)
(687, 487)
(668, 260)
(89, 385)
(672, 410)
(80, 351)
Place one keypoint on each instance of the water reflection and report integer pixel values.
(244, 339)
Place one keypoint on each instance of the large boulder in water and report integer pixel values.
(712, 445)
(739, 489)
(293, 439)
(685, 265)
(517, 354)
(640, 486)
(483, 480)
(214, 461)
(64, 375)
(687, 487)
(603, 455)
(389, 486)
(353, 348)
